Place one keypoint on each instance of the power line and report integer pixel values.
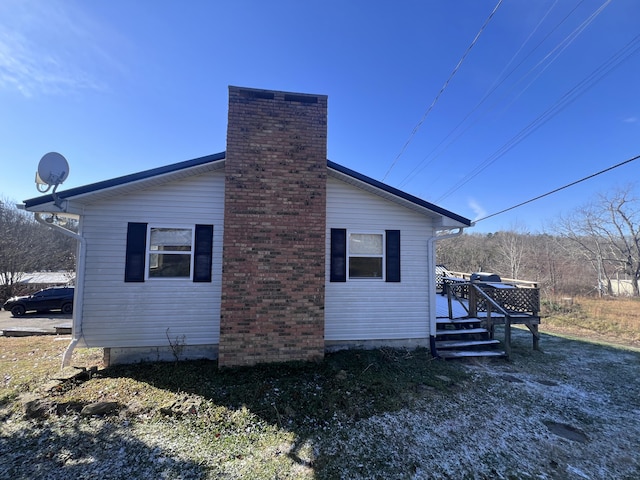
(631, 48)
(497, 83)
(561, 188)
(435, 100)
(558, 106)
(549, 58)
(562, 46)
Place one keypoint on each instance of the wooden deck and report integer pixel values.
(467, 313)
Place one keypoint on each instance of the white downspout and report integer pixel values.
(76, 325)
(433, 325)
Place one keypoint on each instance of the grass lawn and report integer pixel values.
(569, 411)
(606, 320)
(251, 421)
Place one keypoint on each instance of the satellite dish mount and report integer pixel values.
(53, 169)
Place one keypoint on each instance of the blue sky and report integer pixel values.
(547, 95)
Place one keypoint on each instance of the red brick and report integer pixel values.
(274, 232)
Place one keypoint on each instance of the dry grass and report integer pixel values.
(27, 362)
(258, 422)
(614, 320)
(358, 414)
(357, 383)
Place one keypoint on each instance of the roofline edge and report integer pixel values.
(130, 178)
(399, 193)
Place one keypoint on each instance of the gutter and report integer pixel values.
(433, 324)
(76, 325)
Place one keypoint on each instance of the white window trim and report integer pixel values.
(383, 255)
(149, 252)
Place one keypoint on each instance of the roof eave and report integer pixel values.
(448, 219)
(46, 202)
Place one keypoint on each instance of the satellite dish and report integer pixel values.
(53, 169)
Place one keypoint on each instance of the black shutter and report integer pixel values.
(203, 253)
(393, 255)
(136, 252)
(338, 255)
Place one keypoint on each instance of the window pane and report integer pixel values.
(365, 267)
(167, 265)
(171, 239)
(365, 244)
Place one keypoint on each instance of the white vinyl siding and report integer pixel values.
(357, 310)
(119, 314)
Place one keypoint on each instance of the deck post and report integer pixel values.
(490, 325)
(473, 307)
(507, 336)
(448, 290)
(536, 336)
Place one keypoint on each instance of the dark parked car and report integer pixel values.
(54, 298)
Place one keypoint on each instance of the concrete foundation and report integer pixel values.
(123, 355)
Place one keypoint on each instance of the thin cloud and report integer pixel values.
(477, 209)
(49, 49)
(630, 120)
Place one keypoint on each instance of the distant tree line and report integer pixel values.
(27, 246)
(595, 250)
(542, 258)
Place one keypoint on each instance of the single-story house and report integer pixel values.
(26, 283)
(264, 252)
(33, 281)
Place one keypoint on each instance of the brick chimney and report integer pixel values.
(274, 228)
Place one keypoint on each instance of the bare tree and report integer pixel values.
(467, 253)
(554, 262)
(607, 234)
(27, 246)
(15, 235)
(511, 250)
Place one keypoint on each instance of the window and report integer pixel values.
(365, 255)
(170, 252)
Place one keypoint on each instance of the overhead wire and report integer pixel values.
(560, 188)
(561, 46)
(632, 47)
(442, 89)
(496, 84)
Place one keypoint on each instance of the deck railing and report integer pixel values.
(516, 296)
(507, 302)
(442, 273)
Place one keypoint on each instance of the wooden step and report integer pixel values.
(471, 353)
(457, 321)
(464, 331)
(465, 343)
